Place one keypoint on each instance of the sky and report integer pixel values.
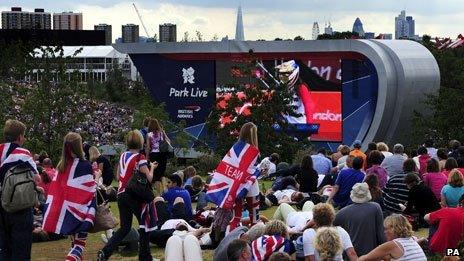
(263, 19)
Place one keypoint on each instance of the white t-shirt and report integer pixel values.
(387, 153)
(297, 220)
(308, 243)
(172, 224)
(280, 194)
(267, 164)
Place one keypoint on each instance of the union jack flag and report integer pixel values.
(70, 205)
(11, 155)
(263, 247)
(234, 175)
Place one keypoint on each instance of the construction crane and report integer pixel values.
(141, 21)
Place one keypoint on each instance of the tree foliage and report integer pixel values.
(338, 35)
(268, 104)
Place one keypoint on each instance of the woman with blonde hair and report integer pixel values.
(452, 192)
(155, 136)
(383, 148)
(70, 206)
(128, 203)
(327, 242)
(401, 244)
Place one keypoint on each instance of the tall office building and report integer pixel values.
(67, 21)
(358, 27)
(130, 33)
(404, 26)
(328, 29)
(18, 19)
(108, 32)
(239, 31)
(315, 30)
(167, 33)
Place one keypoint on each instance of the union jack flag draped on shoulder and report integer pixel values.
(70, 205)
(234, 176)
(11, 155)
(263, 247)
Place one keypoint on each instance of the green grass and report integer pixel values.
(57, 250)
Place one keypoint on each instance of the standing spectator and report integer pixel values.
(400, 245)
(321, 163)
(323, 216)
(144, 132)
(450, 164)
(174, 191)
(15, 228)
(434, 179)
(452, 192)
(61, 218)
(453, 149)
(46, 175)
(129, 205)
(104, 165)
(243, 233)
(442, 155)
(421, 160)
(374, 188)
(307, 177)
(363, 220)
(358, 153)
(345, 182)
(239, 250)
(383, 148)
(394, 164)
(155, 135)
(450, 227)
(375, 159)
(421, 199)
(396, 192)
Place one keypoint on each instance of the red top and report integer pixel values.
(435, 181)
(450, 228)
(127, 163)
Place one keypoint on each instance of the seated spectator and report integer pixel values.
(431, 150)
(452, 192)
(243, 233)
(383, 148)
(296, 221)
(370, 147)
(453, 147)
(239, 250)
(285, 196)
(442, 155)
(434, 179)
(287, 182)
(321, 163)
(450, 164)
(376, 193)
(394, 164)
(396, 192)
(336, 156)
(421, 199)
(341, 163)
(275, 239)
(358, 153)
(323, 216)
(279, 256)
(189, 172)
(174, 191)
(196, 186)
(375, 159)
(307, 177)
(450, 227)
(184, 246)
(421, 160)
(400, 243)
(268, 164)
(328, 243)
(363, 220)
(345, 182)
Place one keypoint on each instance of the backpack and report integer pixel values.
(19, 190)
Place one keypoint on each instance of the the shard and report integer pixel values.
(239, 33)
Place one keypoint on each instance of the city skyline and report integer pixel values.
(261, 21)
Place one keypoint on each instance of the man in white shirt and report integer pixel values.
(268, 164)
(296, 221)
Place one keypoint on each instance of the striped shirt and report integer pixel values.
(411, 250)
(395, 192)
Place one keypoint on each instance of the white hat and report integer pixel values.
(360, 193)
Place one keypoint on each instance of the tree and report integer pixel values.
(267, 107)
(278, 39)
(215, 38)
(199, 36)
(298, 38)
(186, 37)
(338, 35)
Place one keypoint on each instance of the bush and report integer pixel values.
(206, 163)
(300, 154)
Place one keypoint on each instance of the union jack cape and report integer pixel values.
(234, 176)
(11, 155)
(70, 205)
(263, 247)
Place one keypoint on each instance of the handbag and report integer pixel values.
(139, 186)
(104, 218)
